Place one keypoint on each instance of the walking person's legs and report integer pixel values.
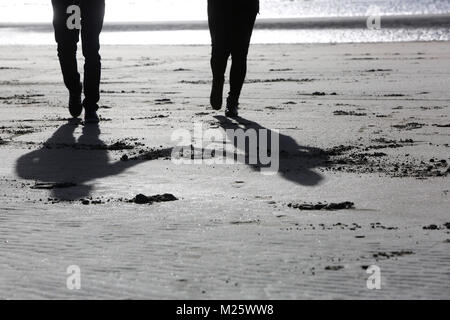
(218, 20)
(92, 16)
(67, 40)
(244, 21)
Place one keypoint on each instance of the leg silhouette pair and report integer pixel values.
(91, 13)
(231, 25)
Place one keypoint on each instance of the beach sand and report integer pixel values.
(363, 123)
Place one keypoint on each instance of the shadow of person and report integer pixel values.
(65, 166)
(295, 161)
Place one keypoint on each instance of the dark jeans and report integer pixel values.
(231, 25)
(92, 14)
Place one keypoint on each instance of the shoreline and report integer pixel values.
(406, 28)
(252, 45)
(389, 21)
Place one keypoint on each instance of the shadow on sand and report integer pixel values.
(65, 166)
(295, 161)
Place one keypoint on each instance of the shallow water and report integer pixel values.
(163, 10)
(193, 37)
(132, 12)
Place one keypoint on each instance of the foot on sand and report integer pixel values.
(75, 105)
(322, 206)
(216, 98)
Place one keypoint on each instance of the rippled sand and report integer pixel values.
(362, 123)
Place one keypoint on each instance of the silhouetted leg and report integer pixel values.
(243, 23)
(219, 13)
(92, 15)
(67, 44)
(218, 19)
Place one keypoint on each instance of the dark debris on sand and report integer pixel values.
(392, 254)
(149, 154)
(374, 158)
(194, 82)
(394, 95)
(143, 199)
(17, 131)
(322, 206)
(181, 69)
(378, 70)
(431, 227)
(163, 101)
(139, 199)
(437, 227)
(281, 70)
(158, 116)
(378, 225)
(349, 113)
(442, 125)
(22, 99)
(320, 93)
(359, 159)
(334, 268)
(409, 126)
(279, 80)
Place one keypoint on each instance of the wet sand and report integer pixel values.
(364, 177)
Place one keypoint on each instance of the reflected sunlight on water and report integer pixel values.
(132, 11)
(174, 10)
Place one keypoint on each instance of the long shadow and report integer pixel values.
(295, 161)
(65, 166)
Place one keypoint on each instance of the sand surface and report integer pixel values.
(366, 123)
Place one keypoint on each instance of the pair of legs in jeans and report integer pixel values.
(231, 25)
(92, 14)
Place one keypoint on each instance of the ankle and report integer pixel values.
(90, 106)
(232, 101)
